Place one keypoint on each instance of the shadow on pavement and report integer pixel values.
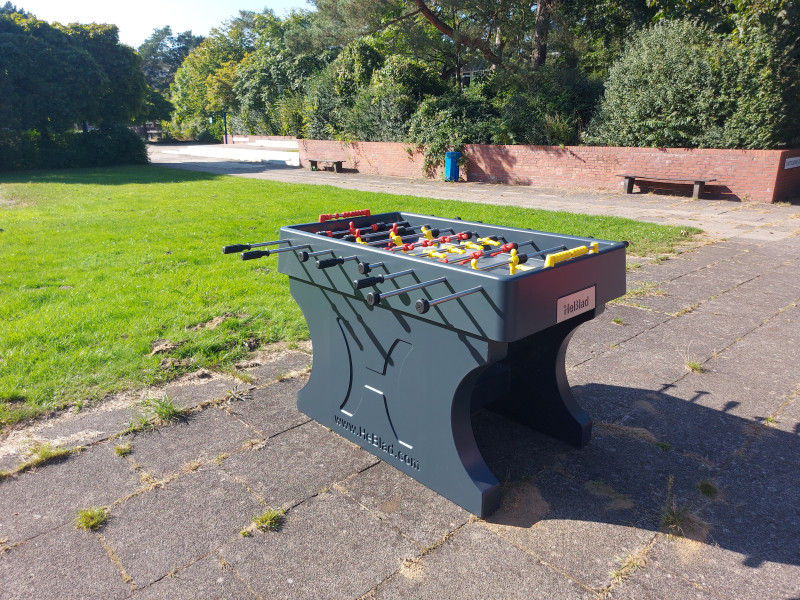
(659, 463)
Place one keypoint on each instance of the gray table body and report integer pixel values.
(403, 385)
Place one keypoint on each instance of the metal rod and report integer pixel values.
(422, 305)
(374, 298)
(242, 247)
(304, 256)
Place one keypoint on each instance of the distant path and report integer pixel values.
(720, 219)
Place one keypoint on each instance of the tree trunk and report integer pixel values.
(540, 32)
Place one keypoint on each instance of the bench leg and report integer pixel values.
(337, 166)
(629, 184)
(312, 164)
(698, 189)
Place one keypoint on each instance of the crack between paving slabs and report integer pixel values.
(115, 559)
(339, 487)
(424, 552)
(629, 569)
(537, 558)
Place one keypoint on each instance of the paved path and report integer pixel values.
(688, 489)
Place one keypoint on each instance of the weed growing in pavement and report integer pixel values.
(38, 454)
(708, 489)
(629, 565)
(617, 321)
(164, 410)
(695, 367)
(155, 413)
(91, 519)
(270, 519)
(123, 449)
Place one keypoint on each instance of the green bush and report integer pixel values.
(72, 149)
(547, 106)
(448, 122)
(679, 85)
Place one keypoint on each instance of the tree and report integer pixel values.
(123, 97)
(679, 84)
(203, 84)
(50, 81)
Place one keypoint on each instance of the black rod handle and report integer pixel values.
(332, 262)
(254, 254)
(260, 253)
(235, 248)
(360, 284)
(240, 247)
(365, 268)
(423, 305)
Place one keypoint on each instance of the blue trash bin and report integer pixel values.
(451, 165)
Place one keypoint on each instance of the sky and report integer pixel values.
(137, 19)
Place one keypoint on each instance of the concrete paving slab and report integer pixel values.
(642, 363)
(272, 409)
(474, 564)
(513, 451)
(295, 465)
(280, 365)
(172, 526)
(758, 299)
(200, 436)
(209, 577)
(48, 497)
(626, 460)
(73, 430)
(721, 572)
(327, 547)
(188, 394)
(406, 505)
(672, 422)
(64, 563)
(755, 376)
(584, 529)
(788, 417)
(761, 483)
(655, 583)
(599, 335)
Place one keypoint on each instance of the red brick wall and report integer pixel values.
(372, 158)
(748, 175)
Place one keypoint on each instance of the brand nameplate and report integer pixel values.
(575, 304)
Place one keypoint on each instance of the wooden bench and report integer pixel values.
(337, 164)
(699, 182)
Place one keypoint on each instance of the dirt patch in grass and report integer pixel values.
(163, 346)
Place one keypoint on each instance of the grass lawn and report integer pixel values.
(98, 264)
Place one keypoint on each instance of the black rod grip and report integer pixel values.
(254, 254)
(235, 248)
(328, 262)
(360, 284)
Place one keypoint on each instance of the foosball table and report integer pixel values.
(418, 321)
